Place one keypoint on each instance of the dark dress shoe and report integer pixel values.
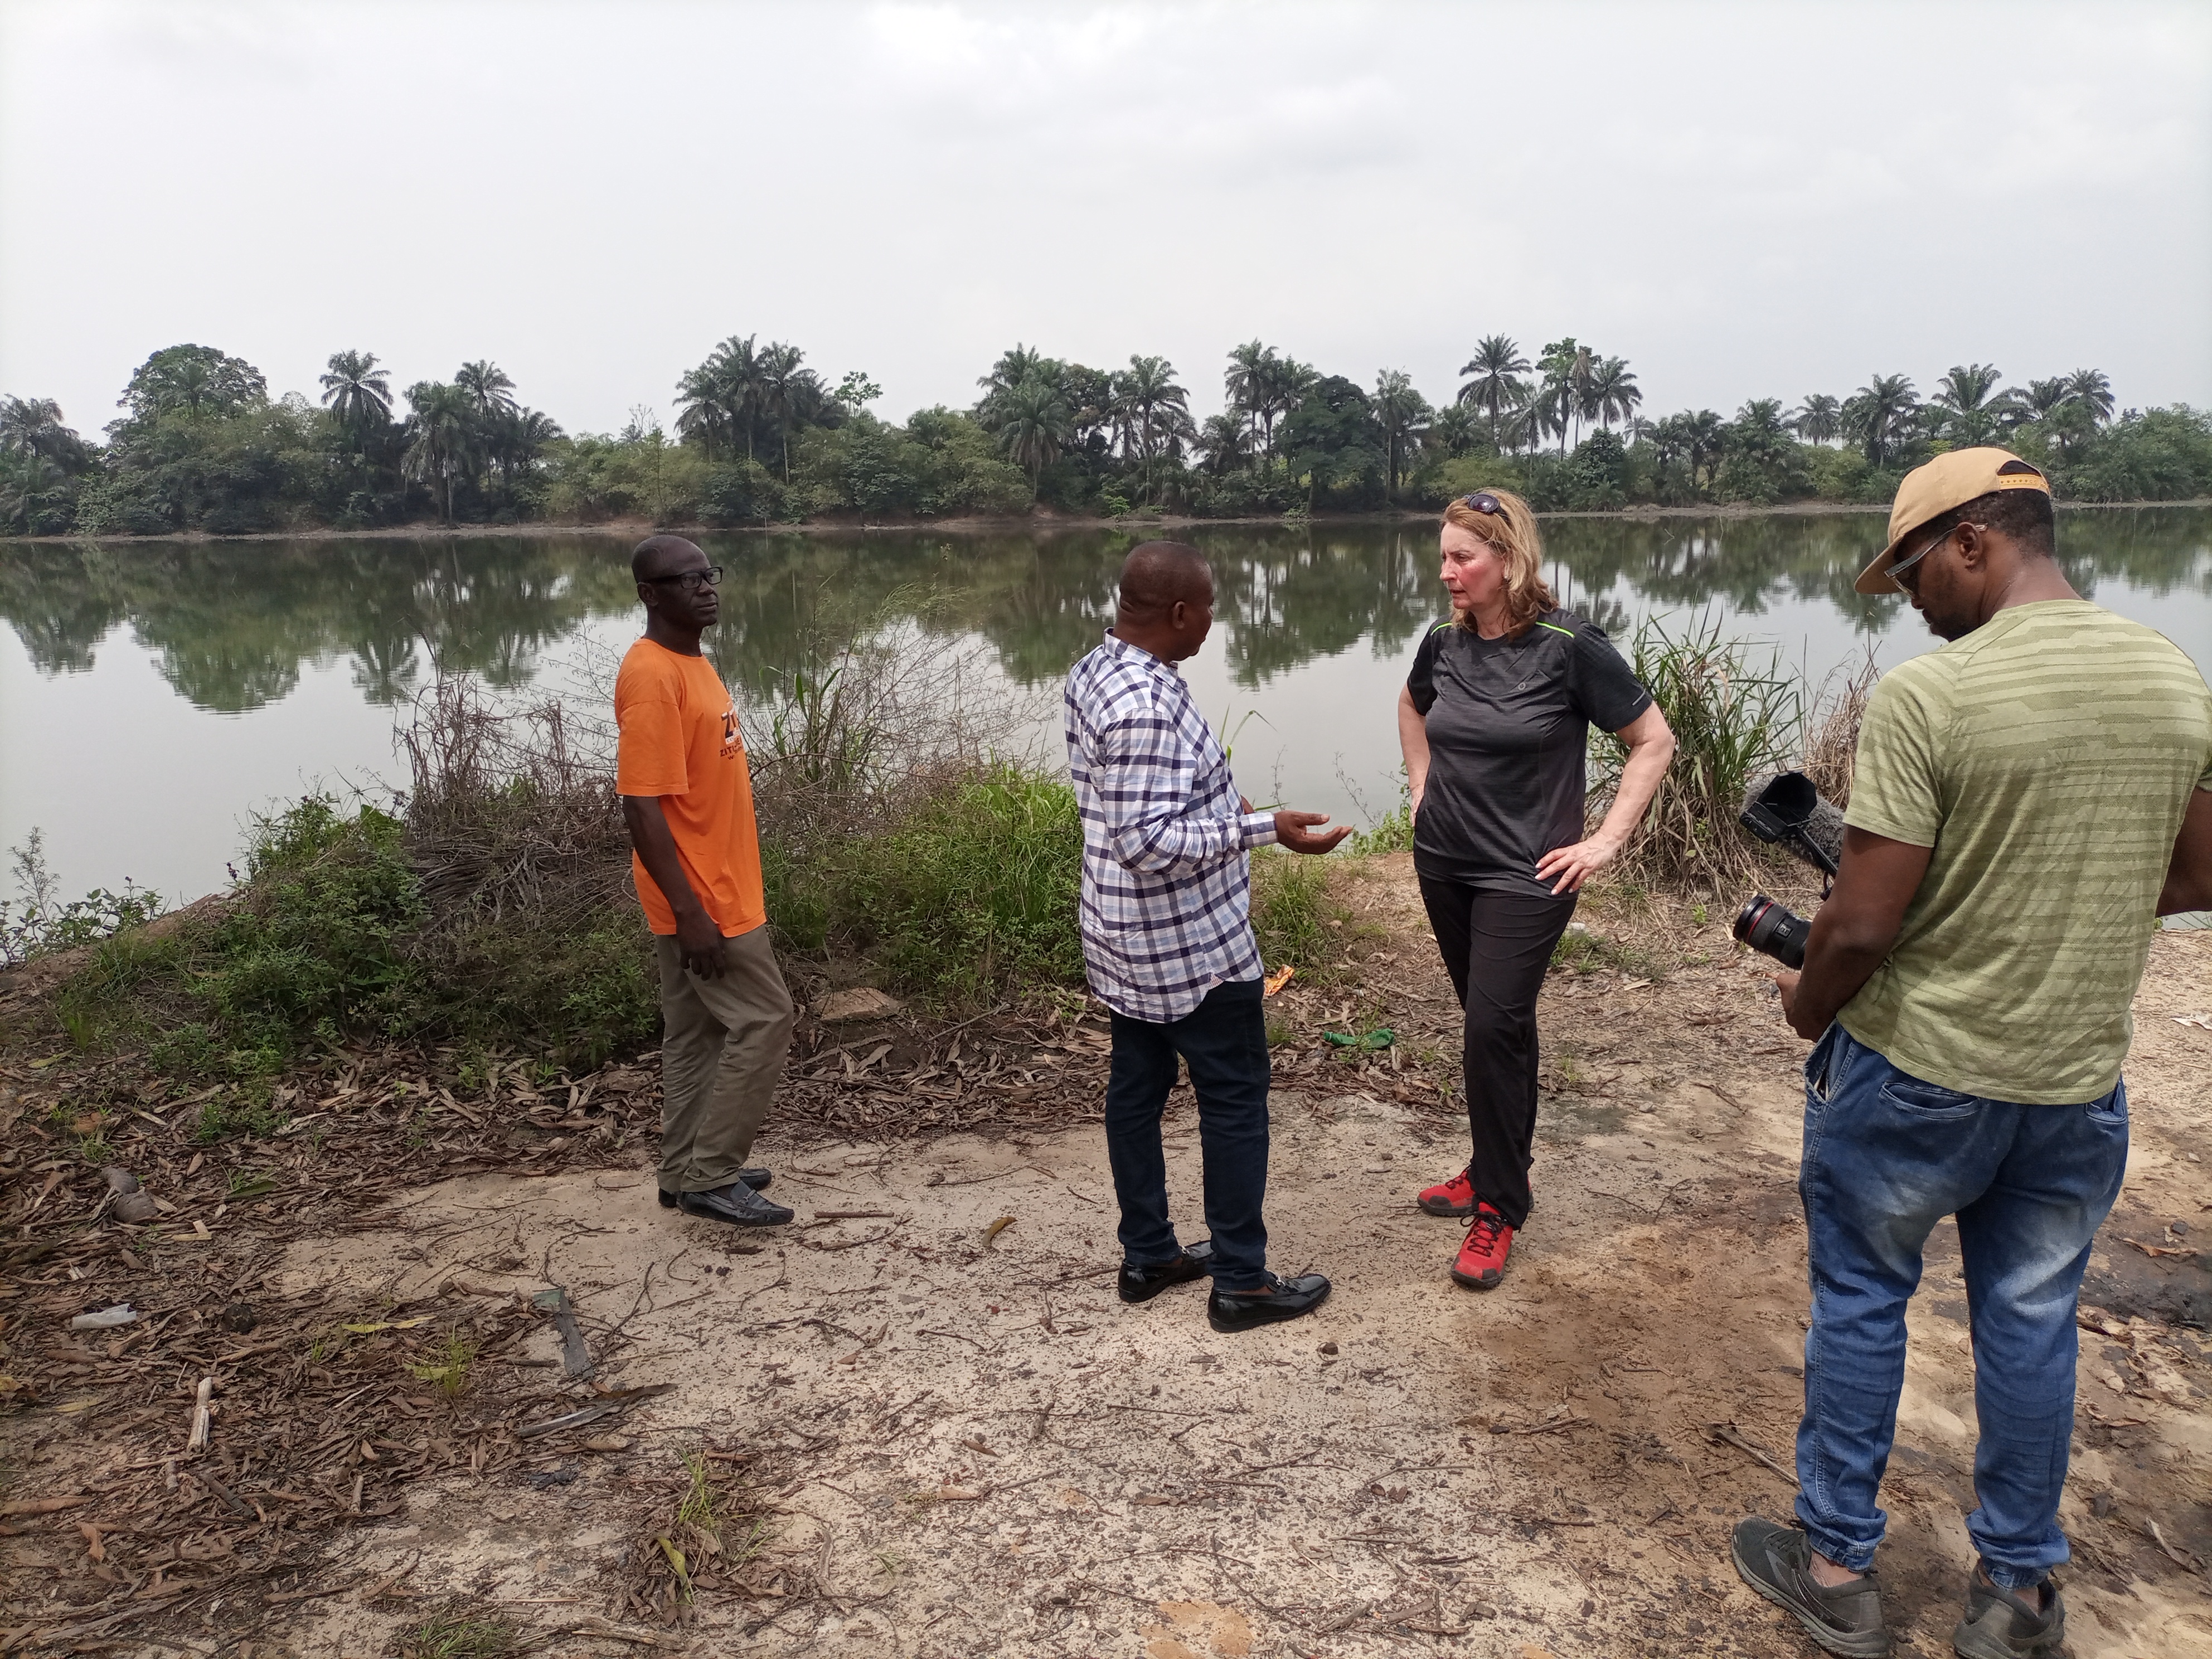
(736, 1204)
(1143, 1284)
(757, 1179)
(1235, 1310)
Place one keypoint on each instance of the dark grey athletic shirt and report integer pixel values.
(1508, 724)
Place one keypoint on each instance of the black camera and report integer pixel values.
(1786, 810)
(1772, 928)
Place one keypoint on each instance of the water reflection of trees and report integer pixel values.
(231, 622)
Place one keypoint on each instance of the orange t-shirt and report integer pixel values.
(679, 740)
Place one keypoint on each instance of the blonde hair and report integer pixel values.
(1512, 536)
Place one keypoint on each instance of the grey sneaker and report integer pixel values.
(2002, 1624)
(1777, 1562)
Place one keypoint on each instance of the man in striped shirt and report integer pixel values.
(1167, 938)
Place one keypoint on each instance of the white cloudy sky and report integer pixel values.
(1772, 198)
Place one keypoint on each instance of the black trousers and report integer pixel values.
(1496, 946)
(1225, 1040)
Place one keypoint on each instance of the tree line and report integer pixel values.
(762, 437)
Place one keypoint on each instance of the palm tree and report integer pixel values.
(1036, 422)
(441, 442)
(1013, 367)
(359, 393)
(1551, 413)
(1152, 412)
(1403, 414)
(1818, 419)
(783, 393)
(1285, 387)
(1969, 413)
(1494, 387)
(1562, 364)
(2090, 387)
(1245, 381)
(1580, 379)
(736, 370)
(1762, 417)
(1526, 423)
(1703, 434)
(516, 439)
(189, 387)
(32, 428)
(27, 483)
(1225, 442)
(489, 390)
(1880, 413)
(1613, 392)
(1454, 432)
(2042, 396)
(699, 415)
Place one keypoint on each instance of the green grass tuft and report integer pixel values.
(456, 1635)
(451, 1366)
(1291, 913)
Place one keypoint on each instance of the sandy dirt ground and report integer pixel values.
(929, 1434)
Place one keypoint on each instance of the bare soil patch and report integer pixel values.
(899, 1423)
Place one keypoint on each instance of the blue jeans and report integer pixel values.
(1225, 1040)
(1887, 1156)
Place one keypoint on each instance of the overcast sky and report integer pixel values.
(1764, 199)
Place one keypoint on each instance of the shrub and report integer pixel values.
(1733, 716)
(41, 921)
(973, 890)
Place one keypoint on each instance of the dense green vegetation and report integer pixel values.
(368, 927)
(760, 438)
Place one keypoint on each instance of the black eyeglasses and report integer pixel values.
(1483, 502)
(692, 580)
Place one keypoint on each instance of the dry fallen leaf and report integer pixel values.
(997, 1227)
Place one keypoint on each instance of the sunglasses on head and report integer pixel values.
(1483, 502)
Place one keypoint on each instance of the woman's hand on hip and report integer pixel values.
(1568, 867)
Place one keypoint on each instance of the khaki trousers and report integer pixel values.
(722, 1048)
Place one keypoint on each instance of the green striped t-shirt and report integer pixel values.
(2047, 757)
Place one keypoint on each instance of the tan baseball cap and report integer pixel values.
(1929, 492)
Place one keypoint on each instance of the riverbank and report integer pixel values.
(906, 1420)
(1009, 523)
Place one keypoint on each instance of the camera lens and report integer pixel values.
(1772, 930)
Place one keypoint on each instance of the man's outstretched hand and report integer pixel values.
(1295, 831)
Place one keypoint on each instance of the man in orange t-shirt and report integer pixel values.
(687, 798)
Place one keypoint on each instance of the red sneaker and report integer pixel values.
(1481, 1260)
(1453, 1198)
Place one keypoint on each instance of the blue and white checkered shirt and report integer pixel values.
(1167, 887)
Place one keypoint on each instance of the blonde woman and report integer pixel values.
(1494, 721)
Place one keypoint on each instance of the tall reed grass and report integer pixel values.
(1735, 711)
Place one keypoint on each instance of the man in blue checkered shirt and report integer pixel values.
(1167, 937)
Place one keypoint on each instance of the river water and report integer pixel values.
(153, 695)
